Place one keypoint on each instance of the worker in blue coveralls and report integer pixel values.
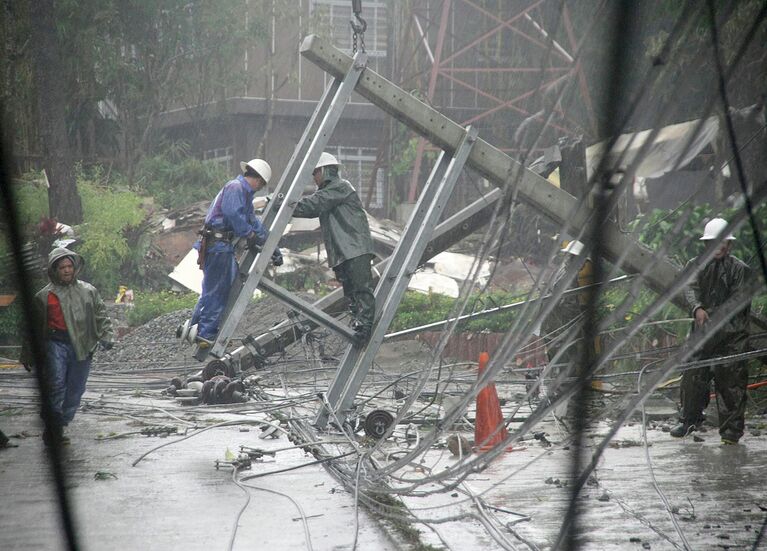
(230, 216)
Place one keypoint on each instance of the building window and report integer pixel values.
(357, 166)
(222, 156)
(336, 15)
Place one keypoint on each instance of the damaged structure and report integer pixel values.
(557, 441)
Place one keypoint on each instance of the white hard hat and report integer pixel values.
(714, 229)
(326, 159)
(260, 166)
(574, 247)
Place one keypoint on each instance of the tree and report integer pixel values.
(157, 54)
(48, 76)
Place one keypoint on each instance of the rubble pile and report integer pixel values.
(154, 344)
(149, 346)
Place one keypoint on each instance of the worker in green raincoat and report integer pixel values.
(716, 282)
(564, 343)
(75, 323)
(346, 234)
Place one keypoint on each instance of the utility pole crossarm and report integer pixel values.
(491, 162)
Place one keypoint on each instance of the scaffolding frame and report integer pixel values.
(442, 59)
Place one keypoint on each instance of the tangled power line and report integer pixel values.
(412, 463)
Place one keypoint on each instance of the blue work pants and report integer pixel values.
(67, 377)
(219, 273)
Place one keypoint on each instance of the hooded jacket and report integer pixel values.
(344, 224)
(84, 312)
(716, 282)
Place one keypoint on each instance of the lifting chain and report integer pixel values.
(359, 26)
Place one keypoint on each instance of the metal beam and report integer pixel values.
(413, 193)
(283, 185)
(448, 233)
(307, 309)
(395, 279)
(492, 163)
(279, 214)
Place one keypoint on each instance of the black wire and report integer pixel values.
(731, 131)
(36, 344)
(623, 28)
(301, 466)
(746, 42)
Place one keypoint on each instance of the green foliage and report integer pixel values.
(149, 305)
(31, 205)
(11, 319)
(151, 54)
(31, 199)
(759, 304)
(108, 213)
(673, 321)
(113, 236)
(669, 229)
(690, 54)
(680, 230)
(175, 178)
(139, 58)
(402, 161)
(418, 309)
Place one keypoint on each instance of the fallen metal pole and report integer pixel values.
(394, 281)
(491, 162)
(278, 215)
(309, 310)
(446, 234)
(497, 167)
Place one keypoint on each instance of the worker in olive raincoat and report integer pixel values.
(564, 344)
(75, 323)
(346, 234)
(714, 284)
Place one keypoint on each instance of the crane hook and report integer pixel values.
(359, 26)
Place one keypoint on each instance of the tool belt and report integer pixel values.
(212, 234)
(208, 236)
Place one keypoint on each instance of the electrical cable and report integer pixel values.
(242, 509)
(304, 520)
(731, 130)
(760, 534)
(715, 324)
(217, 425)
(301, 466)
(357, 502)
(654, 480)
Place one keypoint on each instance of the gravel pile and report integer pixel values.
(154, 344)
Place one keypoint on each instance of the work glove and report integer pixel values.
(277, 259)
(252, 242)
(106, 345)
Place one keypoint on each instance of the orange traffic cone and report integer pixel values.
(489, 416)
